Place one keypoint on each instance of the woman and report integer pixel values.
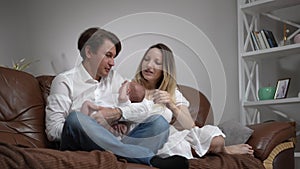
(157, 73)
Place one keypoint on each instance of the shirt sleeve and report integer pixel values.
(180, 99)
(123, 104)
(137, 112)
(58, 105)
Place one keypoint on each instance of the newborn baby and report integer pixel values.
(131, 91)
(128, 92)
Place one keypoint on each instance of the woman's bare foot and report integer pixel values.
(239, 149)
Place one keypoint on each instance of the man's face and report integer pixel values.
(104, 57)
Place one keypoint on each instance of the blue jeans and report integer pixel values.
(81, 132)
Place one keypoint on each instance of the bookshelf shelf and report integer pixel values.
(293, 100)
(275, 52)
(261, 6)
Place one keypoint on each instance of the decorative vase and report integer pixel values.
(266, 93)
(297, 38)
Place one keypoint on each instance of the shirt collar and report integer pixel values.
(88, 78)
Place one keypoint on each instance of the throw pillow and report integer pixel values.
(235, 132)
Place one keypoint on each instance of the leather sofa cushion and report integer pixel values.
(21, 109)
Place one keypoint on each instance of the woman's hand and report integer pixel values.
(181, 113)
(163, 97)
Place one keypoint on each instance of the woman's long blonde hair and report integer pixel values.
(168, 80)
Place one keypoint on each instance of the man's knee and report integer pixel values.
(159, 123)
(72, 120)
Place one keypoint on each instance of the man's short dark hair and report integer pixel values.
(94, 37)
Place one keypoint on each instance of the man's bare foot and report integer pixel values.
(239, 149)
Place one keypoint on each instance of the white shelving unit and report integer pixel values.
(253, 15)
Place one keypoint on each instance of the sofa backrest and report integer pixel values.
(45, 82)
(199, 108)
(21, 109)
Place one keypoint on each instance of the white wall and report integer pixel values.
(202, 34)
(13, 32)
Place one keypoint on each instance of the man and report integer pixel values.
(94, 80)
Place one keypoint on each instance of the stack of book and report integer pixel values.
(263, 39)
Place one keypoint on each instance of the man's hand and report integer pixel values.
(111, 115)
(100, 113)
(105, 116)
(88, 108)
(108, 117)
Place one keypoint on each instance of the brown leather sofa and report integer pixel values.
(23, 143)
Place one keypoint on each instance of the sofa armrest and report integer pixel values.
(282, 156)
(267, 136)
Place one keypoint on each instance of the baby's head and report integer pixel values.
(136, 92)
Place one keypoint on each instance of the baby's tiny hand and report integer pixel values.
(123, 92)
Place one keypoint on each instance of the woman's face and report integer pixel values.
(152, 66)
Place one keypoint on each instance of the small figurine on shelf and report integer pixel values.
(286, 41)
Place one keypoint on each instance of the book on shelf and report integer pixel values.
(270, 38)
(263, 35)
(257, 39)
(262, 39)
(254, 41)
